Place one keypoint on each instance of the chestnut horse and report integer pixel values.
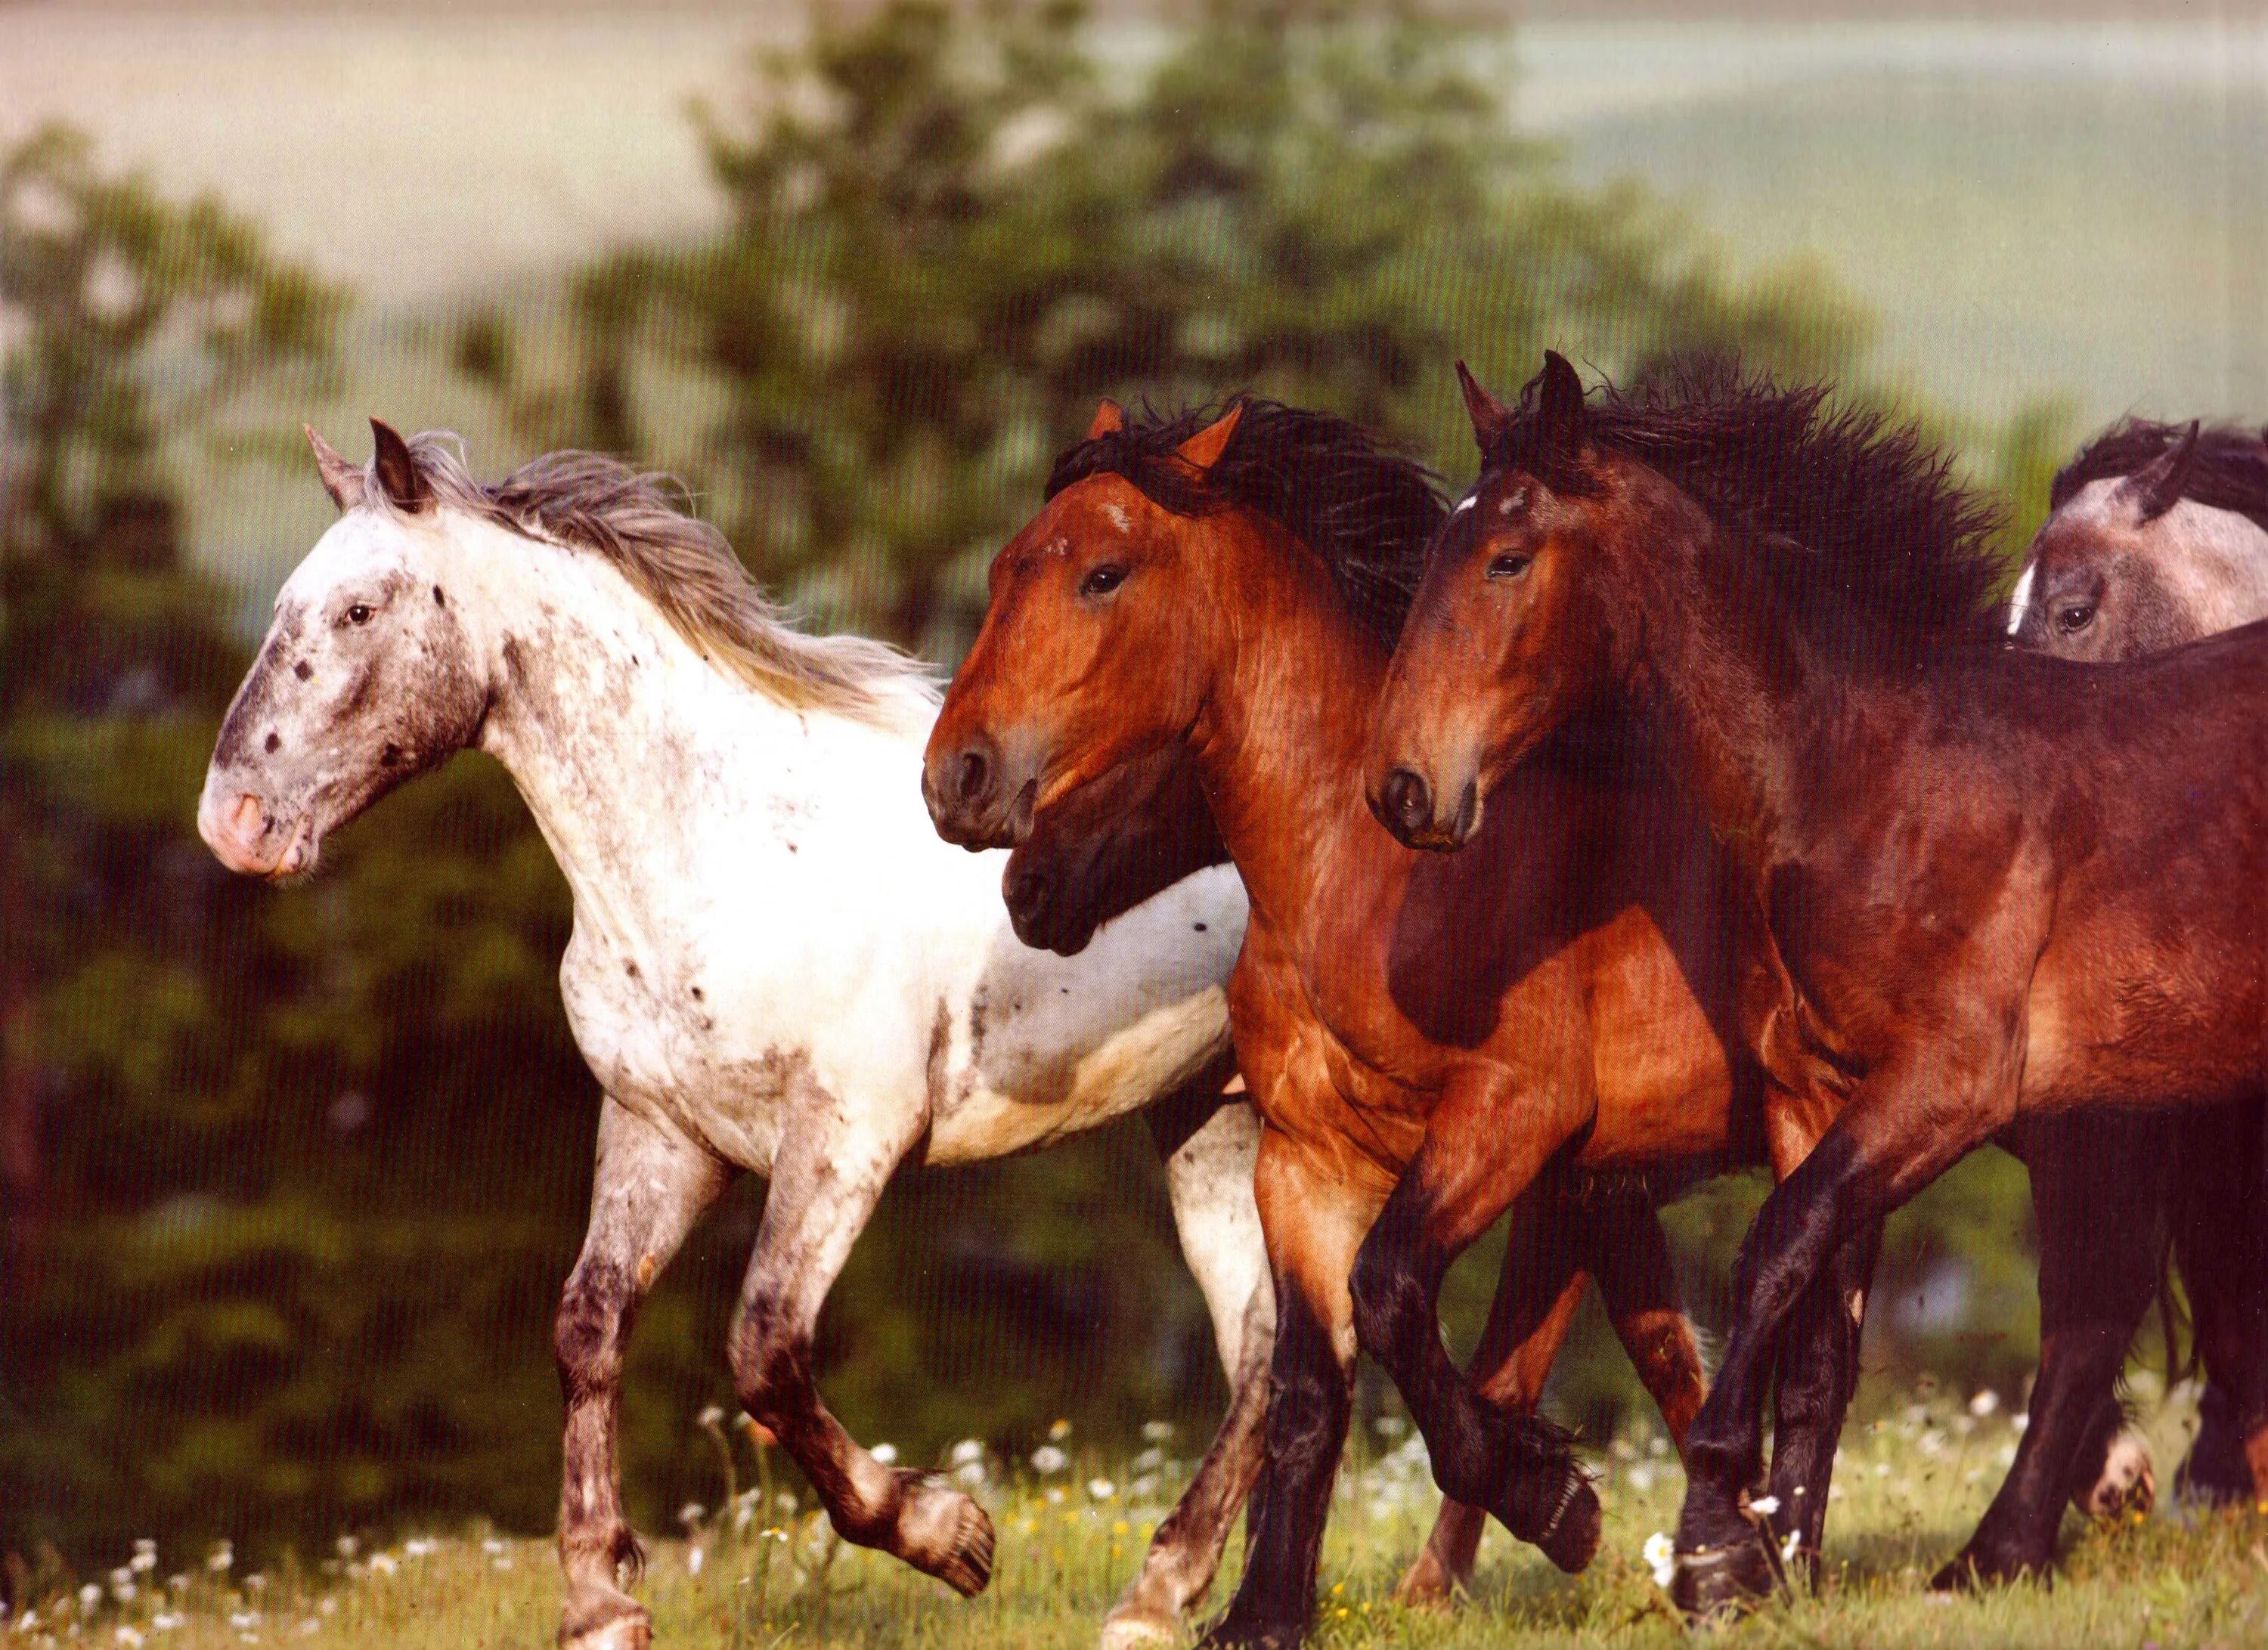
(1425, 1039)
(1992, 886)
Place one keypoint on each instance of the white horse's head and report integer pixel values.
(367, 677)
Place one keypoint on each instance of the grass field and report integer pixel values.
(766, 1572)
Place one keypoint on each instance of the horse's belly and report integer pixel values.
(1662, 1072)
(1010, 1095)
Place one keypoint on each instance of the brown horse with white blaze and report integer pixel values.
(1993, 886)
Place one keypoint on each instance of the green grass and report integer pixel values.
(1911, 1485)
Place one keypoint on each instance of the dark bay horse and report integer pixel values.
(1987, 884)
(1425, 1038)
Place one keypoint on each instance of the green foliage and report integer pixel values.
(952, 230)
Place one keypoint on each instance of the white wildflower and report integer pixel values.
(255, 1582)
(712, 1416)
(1047, 1459)
(1641, 1478)
(384, 1564)
(1101, 1489)
(885, 1453)
(1058, 1431)
(244, 1620)
(967, 1450)
(1158, 1432)
(2020, 1422)
(1660, 1555)
(1765, 1506)
(348, 1546)
(127, 1636)
(691, 1513)
(329, 1607)
(89, 1596)
(419, 1546)
(970, 1476)
(166, 1621)
(694, 1559)
(145, 1557)
(492, 1546)
(223, 1559)
(1055, 1495)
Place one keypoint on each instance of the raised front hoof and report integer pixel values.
(1572, 1539)
(1427, 1583)
(1977, 1567)
(942, 1533)
(1716, 1583)
(604, 1622)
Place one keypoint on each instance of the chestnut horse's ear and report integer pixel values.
(2159, 485)
(1202, 451)
(1491, 417)
(1560, 403)
(341, 481)
(1110, 419)
(398, 475)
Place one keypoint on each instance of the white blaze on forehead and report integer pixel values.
(1115, 514)
(2020, 603)
(1465, 503)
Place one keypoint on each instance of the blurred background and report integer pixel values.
(293, 1177)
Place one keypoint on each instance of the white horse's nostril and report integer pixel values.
(247, 821)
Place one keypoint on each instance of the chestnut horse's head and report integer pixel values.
(366, 678)
(1503, 643)
(1108, 846)
(1085, 659)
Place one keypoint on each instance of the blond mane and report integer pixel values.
(643, 524)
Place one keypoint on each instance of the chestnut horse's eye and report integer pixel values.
(1102, 580)
(1510, 564)
(2076, 618)
(358, 613)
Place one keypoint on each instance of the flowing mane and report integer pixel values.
(642, 523)
(2230, 470)
(1875, 550)
(1366, 512)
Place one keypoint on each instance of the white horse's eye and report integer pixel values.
(358, 613)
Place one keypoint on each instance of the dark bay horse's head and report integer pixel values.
(1503, 643)
(2157, 535)
(366, 677)
(1085, 659)
(1108, 846)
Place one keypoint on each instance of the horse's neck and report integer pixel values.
(1729, 683)
(1280, 740)
(636, 755)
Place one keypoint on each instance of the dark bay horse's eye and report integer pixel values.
(1510, 564)
(1102, 580)
(358, 613)
(2076, 618)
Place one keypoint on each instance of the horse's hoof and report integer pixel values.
(1228, 1634)
(1572, 1539)
(1426, 1585)
(1972, 1569)
(631, 1628)
(945, 1534)
(2129, 1483)
(1717, 1582)
(1133, 1627)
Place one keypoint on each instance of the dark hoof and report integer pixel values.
(1717, 1582)
(1572, 1539)
(1228, 1633)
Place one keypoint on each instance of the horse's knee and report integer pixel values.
(1390, 1302)
(771, 1366)
(586, 1336)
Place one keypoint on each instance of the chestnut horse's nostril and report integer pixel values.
(975, 776)
(1469, 810)
(1408, 802)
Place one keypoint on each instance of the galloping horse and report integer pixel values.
(1992, 886)
(776, 966)
(1401, 1018)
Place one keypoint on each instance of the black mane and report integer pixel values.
(2230, 471)
(1876, 551)
(1368, 513)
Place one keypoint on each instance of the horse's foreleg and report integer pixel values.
(825, 1184)
(1210, 1144)
(1818, 1374)
(1908, 1122)
(1537, 1296)
(1314, 1212)
(652, 1185)
(1478, 1154)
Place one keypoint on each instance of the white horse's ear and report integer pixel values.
(2159, 486)
(341, 481)
(398, 475)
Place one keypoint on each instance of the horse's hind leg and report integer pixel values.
(1210, 1144)
(1536, 1296)
(827, 1176)
(2221, 1220)
(651, 1187)
(2099, 1189)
